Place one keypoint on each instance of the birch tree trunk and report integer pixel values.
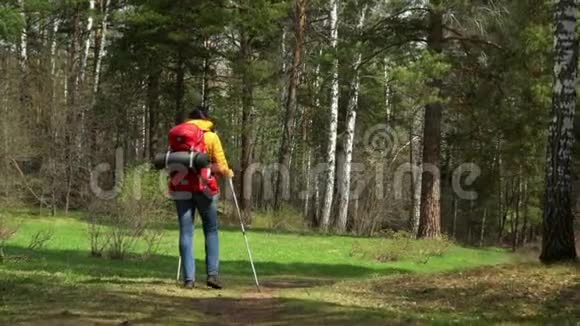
(430, 221)
(344, 187)
(332, 126)
(387, 88)
(23, 60)
(316, 206)
(291, 100)
(558, 234)
(416, 177)
(87, 45)
(53, 43)
(100, 52)
(23, 53)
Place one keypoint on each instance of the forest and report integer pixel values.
(432, 127)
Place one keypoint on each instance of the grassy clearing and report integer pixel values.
(308, 279)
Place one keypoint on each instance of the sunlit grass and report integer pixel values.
(308, 278)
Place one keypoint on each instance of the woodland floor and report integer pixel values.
(306, 279)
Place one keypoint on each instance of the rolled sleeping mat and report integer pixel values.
(192, 160)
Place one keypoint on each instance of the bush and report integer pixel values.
(396, 246)
(138, 213)
(141, 211)
(7, 231)
(285, 219)
(99, 213)
(40, 238)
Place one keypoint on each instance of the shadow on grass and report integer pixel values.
(567, 297)
(46, 301)
(164, 266)
(520, 294)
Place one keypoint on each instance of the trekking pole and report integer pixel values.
(244, 233)
(178, 268)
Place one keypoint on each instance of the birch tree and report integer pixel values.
(100, 48)
(332, 125)
(558, 234)
(23, 59)
(87, 45)
(344, 187)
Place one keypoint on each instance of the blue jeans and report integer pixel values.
(208, 210)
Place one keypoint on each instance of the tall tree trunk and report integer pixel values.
(100, 47)
(332, 126)
(87, 45)
(455, 211)
(430, 221)
(558, 234)
(73, 115)
(344, 187)
(153, 105)
(291, 100)
(180, 88)
(205, 74)
(482, 233)
(247, 127)
(416, 178)
(518, 202)
(387, 89)
(525, 204)
(23, 60)
(306, 175)
(316, 207)
(53, 44)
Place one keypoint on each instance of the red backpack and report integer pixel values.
(187, 137)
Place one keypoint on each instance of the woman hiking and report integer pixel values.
(197, 192)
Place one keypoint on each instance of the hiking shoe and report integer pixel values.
(189, 285)
(213, 282)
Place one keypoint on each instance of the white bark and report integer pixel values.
(23, 55)
(416, 161)
(387, 90)
(283, 54)
(101, 50)
(331, 153)
(344, 187)
(482, 234)
(307, 174)
(53, 43)
(87, 45)
(417, 180)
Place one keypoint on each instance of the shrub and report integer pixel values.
(99, 213)
(40, 238)
(7, 231)
(397, 246)
(141, 211)
(284, 219)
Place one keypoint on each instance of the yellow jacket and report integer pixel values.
(213, 146)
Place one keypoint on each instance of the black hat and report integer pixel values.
(199, 112)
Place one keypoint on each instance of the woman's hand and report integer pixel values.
(229, 173)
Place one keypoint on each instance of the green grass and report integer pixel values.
(307, 278)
